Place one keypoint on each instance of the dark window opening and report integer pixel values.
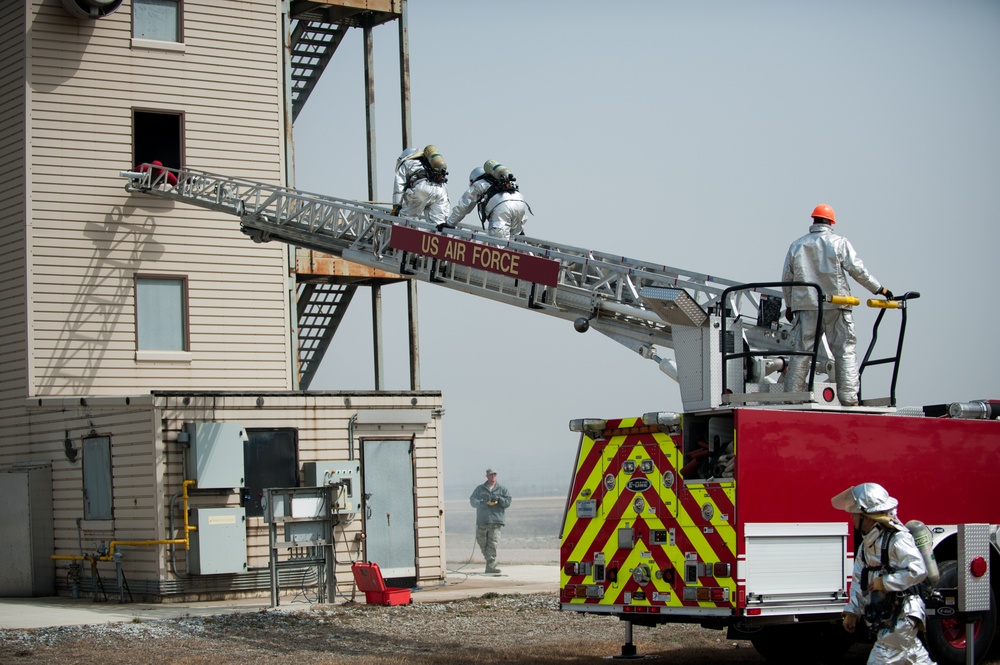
(156, 137)
(271, 458)
(709, 449)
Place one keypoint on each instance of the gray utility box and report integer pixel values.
(219, 545)
(215, 455)
(345, 474)
(26, 531)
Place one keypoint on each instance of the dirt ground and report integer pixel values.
(493, 628)
(507, 629)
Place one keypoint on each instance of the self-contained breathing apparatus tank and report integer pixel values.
(925, 543)
(498, 171)
(434, 159)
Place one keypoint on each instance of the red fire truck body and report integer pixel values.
(724, 517)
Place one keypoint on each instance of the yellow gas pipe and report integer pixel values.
(186, 540)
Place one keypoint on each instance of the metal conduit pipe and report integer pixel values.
(256, 579)
(170, 519)
(186, 540)
(350, 437)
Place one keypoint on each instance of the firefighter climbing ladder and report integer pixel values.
(620, 297)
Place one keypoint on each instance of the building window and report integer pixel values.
(156, 19)
(270, 459)
(161, 313)
(97, 492)
(157, 137)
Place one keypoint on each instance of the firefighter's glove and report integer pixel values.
(878, 585)
(887, 293)
(492, 503)
(395, 210)
(850, 621)
(788, 314)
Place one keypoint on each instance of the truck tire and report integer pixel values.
(945, 636)
(802, 643)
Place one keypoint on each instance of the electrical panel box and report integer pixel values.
(345, 474)
(219, 544)
(215, 455)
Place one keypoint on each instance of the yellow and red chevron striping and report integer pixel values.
(630, 477)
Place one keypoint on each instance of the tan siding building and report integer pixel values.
(127, 321)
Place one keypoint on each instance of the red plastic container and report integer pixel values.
(369, 579)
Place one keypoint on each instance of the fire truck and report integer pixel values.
(719, 514)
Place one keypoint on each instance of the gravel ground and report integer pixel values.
(510, 628)
(504, 629)
(496, 628)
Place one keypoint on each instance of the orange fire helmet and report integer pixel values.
(823, 211)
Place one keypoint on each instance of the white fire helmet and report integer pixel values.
(409, 153)
(477, 173)
(864, 498)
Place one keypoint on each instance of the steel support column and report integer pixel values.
(373, 196)
(370, 112)
(377, 335)
(404, 101)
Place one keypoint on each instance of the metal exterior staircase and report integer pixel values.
(312, 45)
(321, 308)
(634, 302)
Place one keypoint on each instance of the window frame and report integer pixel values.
(146, 41)
(181, 122)
(164, 354)
(103, 491)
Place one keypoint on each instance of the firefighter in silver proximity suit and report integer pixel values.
(503, 212)
(418, 191)
(824, 258)
(884, 592)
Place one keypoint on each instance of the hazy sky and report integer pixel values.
(698, 135)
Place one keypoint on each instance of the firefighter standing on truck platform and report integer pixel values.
(824, 258)
(887, 569)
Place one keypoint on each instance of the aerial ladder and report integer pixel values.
(646, 307)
